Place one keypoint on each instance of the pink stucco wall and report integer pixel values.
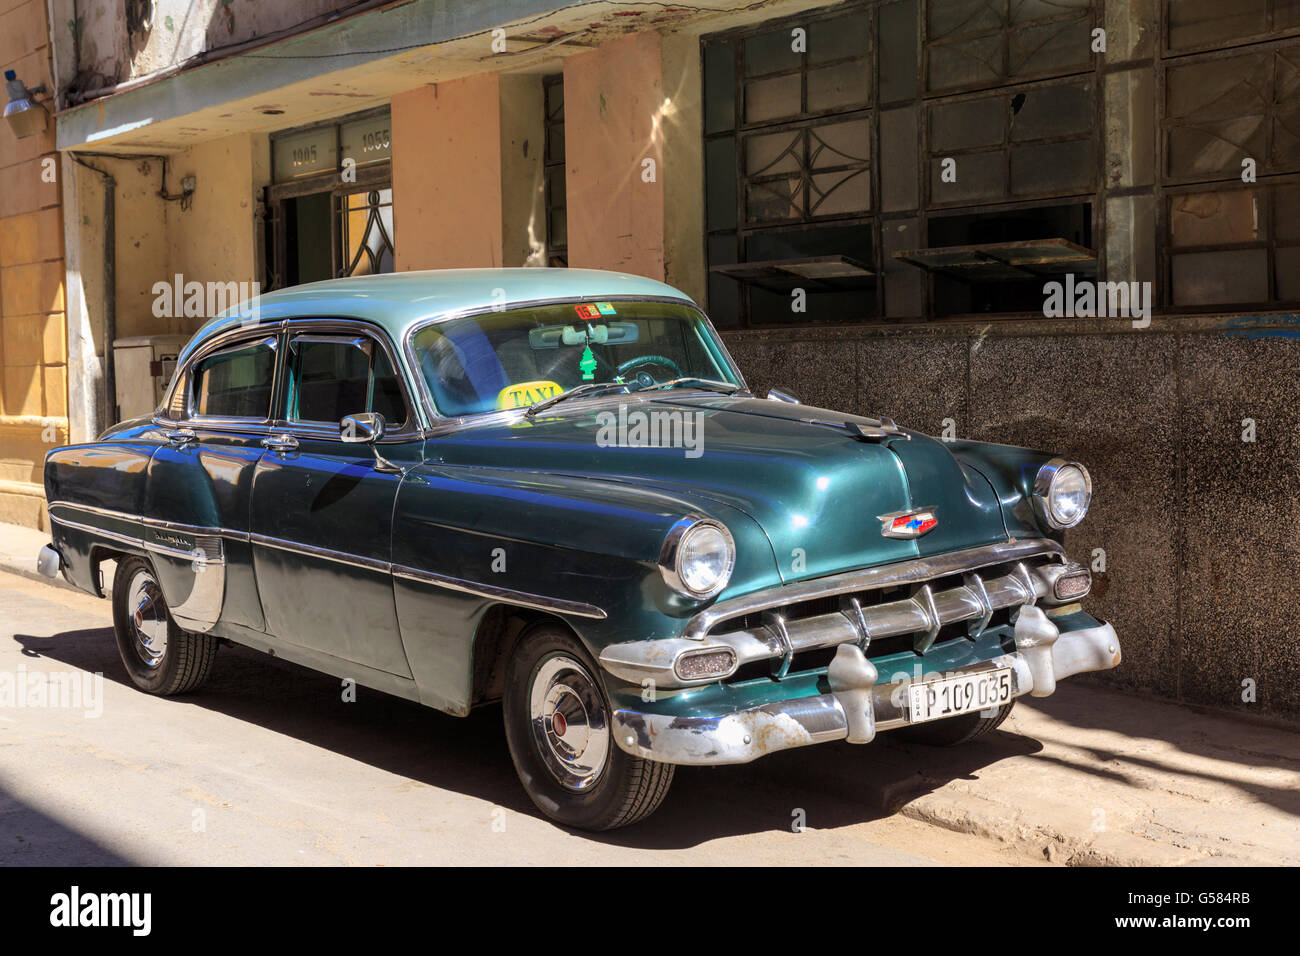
(613, 101)
(447, 174)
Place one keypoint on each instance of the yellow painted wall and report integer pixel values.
(613, 123)
(215, 239)
(33, 352)
(447, 175)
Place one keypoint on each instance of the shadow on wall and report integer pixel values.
(1195, 526)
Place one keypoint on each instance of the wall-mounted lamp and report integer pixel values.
(24, 115)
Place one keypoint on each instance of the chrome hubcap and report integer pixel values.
(570, 729)
(148, 618)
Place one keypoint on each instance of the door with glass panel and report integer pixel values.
(322, 506)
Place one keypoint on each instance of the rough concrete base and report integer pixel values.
(1113, 779)
(22, 505)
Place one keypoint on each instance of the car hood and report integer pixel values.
(799, 471)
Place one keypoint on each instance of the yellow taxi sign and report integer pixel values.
(526, 393)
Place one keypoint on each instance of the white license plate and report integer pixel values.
(959, 695)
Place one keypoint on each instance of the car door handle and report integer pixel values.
(182, 436)
(280, 442)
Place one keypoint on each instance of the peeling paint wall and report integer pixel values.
(120, 41)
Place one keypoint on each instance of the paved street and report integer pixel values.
(267, 765)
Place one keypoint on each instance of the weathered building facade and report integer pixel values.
(33, 352)
(870, 198)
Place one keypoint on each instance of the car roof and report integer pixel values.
(397, 300)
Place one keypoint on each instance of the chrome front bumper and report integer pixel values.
(858, 706)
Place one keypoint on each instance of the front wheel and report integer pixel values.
(557, 719)
(160, 656)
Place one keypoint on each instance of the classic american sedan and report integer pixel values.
(552, 488)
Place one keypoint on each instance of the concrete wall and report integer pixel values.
(447, 175)
(683, 166)
(613, 123)
(215, 240)
(1199, 527)
(33, 373)
(523, 193)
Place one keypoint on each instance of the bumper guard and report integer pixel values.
(858, 706)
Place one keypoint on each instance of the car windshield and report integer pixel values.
(512, 359)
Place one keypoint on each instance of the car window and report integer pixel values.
(500, 360)
(338, 376)
(235, 383)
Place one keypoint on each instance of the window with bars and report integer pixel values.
(788, 119)
(1202, 24)
(977, 44)
(321, 224)
(825, 165)
(1230, 113)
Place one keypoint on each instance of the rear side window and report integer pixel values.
(338, 376)
(236, 383)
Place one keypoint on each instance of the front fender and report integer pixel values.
(570, 538)
(1011, 471)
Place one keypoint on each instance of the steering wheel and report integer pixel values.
(645, 379)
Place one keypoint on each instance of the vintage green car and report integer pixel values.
(551, 487)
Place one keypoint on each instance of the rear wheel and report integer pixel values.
(557, 719)
(160, 657)
(952, 731)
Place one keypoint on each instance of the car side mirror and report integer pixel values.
(781, 395)
(364, 428)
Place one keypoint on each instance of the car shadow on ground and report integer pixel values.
(823, 787)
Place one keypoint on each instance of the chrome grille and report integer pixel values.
(907, 603)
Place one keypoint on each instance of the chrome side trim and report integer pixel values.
(201, 608)
(325, 554)
(157, 523)
(537, 602)
(91, 529)
(914, 571)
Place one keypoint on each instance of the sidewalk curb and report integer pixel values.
(19, 546)
(13, 567)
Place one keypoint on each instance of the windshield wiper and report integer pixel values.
(588, 389)
(710, 384)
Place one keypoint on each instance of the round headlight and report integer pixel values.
(1062, 492)
(697, 557)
